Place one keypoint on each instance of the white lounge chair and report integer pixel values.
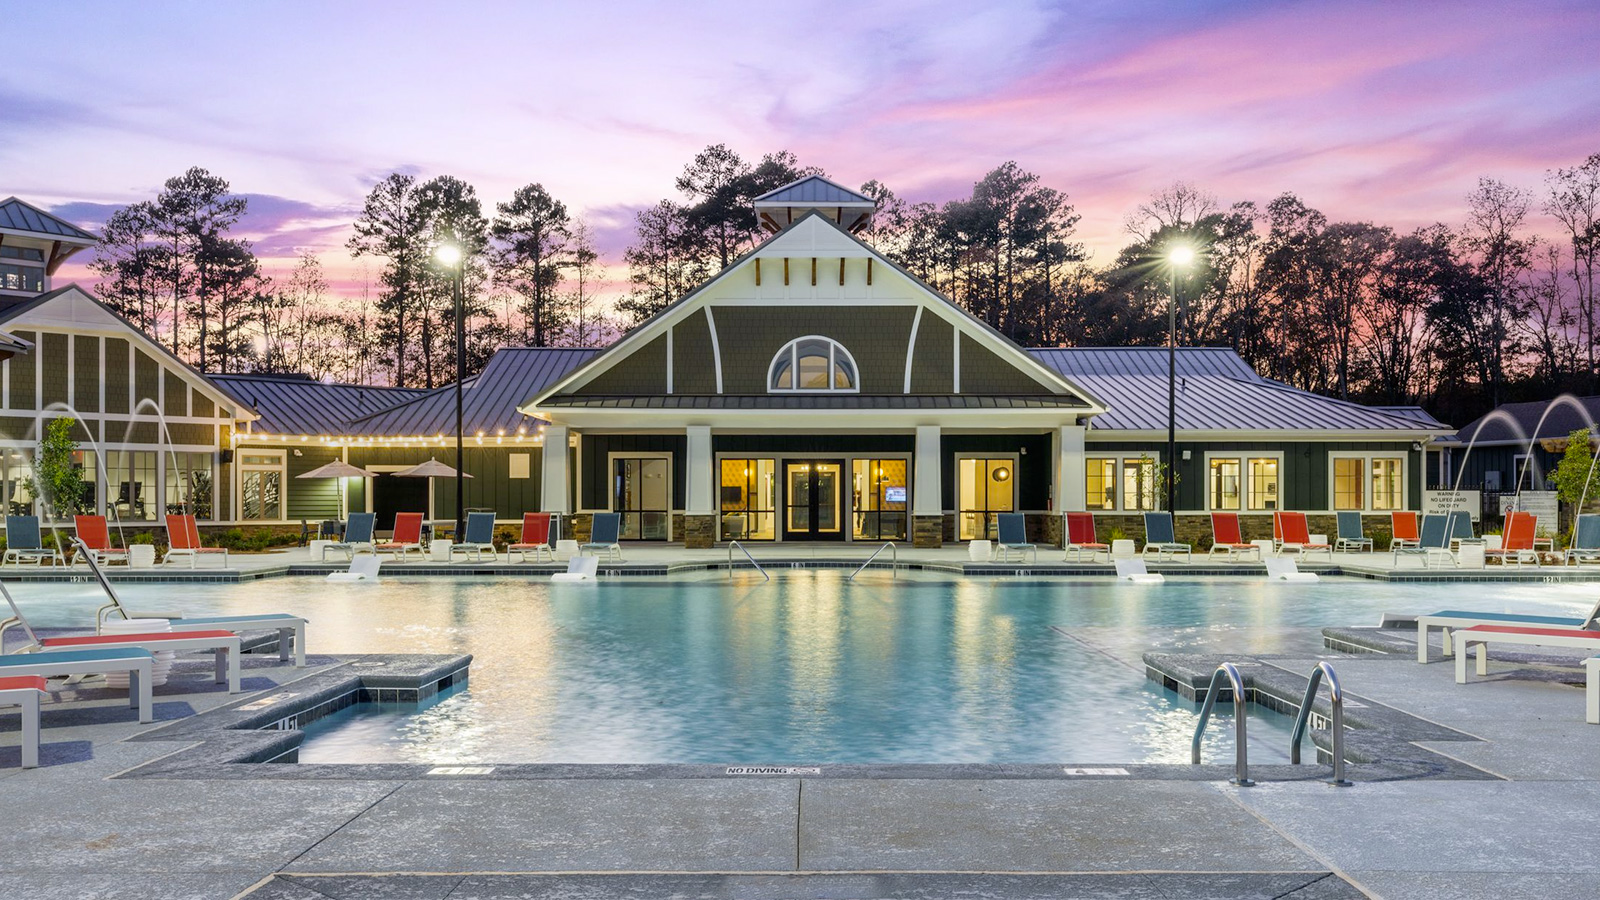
(1134, 571)
(1482, 635)
(24, 692)
(579, 568)
(136, 661)
(362, 568)
(1283, 568)
(1450, 619)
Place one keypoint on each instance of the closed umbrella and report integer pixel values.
(430, 469)
(337, 469)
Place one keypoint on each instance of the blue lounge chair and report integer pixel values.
(23, 542)
(1351, 537)
(48, 664)
(357, 537)
(1160, 538)
(1433, 541)
(1014, 538)
(603, 536)
(479, 538)
(1448, 619)
(1585, 540)
(1461, 527)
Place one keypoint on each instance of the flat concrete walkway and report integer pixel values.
(75, 830)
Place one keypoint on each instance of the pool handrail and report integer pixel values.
(1241, 763)
(1336, 695)
(733, 544)
(894, 561)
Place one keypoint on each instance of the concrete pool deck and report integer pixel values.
(646, 560)
(85, 825)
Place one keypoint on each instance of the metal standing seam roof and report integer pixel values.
(812, 189)
(816, 401)
(20, 215)
(298, 405)
(1217, 391)
(1562, 420)
(490, 401)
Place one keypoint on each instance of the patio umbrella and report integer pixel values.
(430, 469)
(337, 469)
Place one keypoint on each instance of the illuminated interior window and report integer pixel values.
(812, 364)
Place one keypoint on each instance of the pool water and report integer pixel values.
(806, 669)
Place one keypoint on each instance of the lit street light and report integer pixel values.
(1179, 257)
(450, 255)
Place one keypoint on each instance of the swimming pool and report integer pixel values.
(809, 668)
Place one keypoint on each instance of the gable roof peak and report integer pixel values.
(17, 214)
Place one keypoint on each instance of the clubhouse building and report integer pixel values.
(810, 391)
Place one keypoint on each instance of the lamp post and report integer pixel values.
(451, 256)
(1178, 257)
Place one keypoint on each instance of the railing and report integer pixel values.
(1241, 769)
(894, 561)
(733, 544)
(1337, 725)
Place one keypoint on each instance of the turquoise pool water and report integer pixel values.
(806, 669)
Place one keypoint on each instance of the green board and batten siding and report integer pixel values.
(23, 395)
(1306, 478)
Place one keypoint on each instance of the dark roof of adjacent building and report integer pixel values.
(19, 215)
(815, 401)
(812, 189)
(490, 400)
(297, 404)
(1216, 391)
(1417, 414)
(1563, 419)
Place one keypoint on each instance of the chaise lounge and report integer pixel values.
(23, 542)
(1160, 538)
(604, 530)
(1228, 538)
(1447, 620)
(357, 537)
(183, 539)
(1013, 538)
(94, 541)
(1081, 538)
(407, 536)
(535, 539)
(479, 538)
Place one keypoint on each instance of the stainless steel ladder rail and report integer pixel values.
(894, 561)
(1241, 765)
(733, 544)
(1301, 721)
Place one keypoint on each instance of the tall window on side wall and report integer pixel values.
(131, 485)
(261, 480)
(189, 489)
(880, 492)
(1139, 484)
(17, 470)
(812, 364)
(1226, 490)
(641, 490)
(749, 499)
(1100, 485)
(1388, 483)
(1349, 483)
(984, 489)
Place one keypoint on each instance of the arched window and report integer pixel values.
(812, 363)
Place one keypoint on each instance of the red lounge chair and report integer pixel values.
(96, 536)
(183, 539)
(1517, 546)
(535, 539)
(1403, 528)
(1292, 533)
(24, 691)
(407, 536)
(1226, 536)
(1081, 538)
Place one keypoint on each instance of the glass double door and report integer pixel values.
(813, 503)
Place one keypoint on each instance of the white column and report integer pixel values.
(702, 499)
(926, 499)
(1070, 469)
(555, 482)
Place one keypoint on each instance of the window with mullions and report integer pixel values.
(985, 488)
(21, 278)
(1100, 485)
(1139, 484)
(642, 493)
(1226, 490)
(749, 500)
(1263, 483)
(131, 485)
(189, 484)
(812, 364)
(1388, 483)
(1349, 483)
(880, 492)
(261, 478)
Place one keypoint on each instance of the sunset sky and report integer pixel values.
(1384, 111)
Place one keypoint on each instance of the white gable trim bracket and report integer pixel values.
(716, 348)
(911, 347)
